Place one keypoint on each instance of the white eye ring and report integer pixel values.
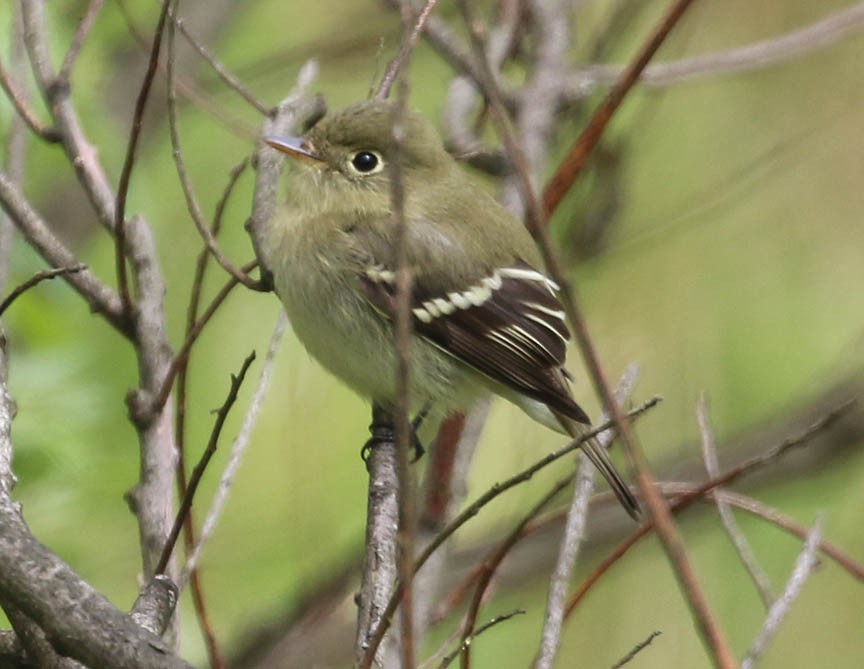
(365, 163)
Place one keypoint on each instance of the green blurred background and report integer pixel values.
(732, 264)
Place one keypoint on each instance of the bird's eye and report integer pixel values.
(366, 162)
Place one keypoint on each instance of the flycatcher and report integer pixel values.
(485, 316)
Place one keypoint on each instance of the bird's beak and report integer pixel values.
(296, 147)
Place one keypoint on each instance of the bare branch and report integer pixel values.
(11, 651)
(82, 155)
(845, 561)
(219, 68)
(638, 648)
(100, 297)
(803, 567)
(492, 562)
(536, 120)
(79, 621)
(445, 41)
(409, 41)
(201, 467)
(129, 161)
(238, 449)
(444, 490)
(16, 150)
(167, 381)
(688, 494)
(188, 88)
(379, 576)
(155, 604)
(755, 56)
(739, 541)
(37, 648)
(36, 279)
(448, 660)
(7, 414)
(22, 107)
(574, 531)
(577, 157)
(188, 189)
(78, 40)
(189, 539)
(403, 333)
(151, 499)
(464, 94)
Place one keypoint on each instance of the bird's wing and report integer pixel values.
(509, 325)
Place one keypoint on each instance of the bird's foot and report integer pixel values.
(383, 433)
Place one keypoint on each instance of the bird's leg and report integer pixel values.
(383, 432)
(381, 429)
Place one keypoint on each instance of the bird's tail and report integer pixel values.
(600, 459)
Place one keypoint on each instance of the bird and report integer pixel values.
(485, 317)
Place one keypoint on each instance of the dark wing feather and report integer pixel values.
(509, 326)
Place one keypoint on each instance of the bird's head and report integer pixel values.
(347, 154)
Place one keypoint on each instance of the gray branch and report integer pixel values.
(739, 541)
(803, 568)
(379, 563)
(102, 299)
(574, 533)
(82, 155)
(75, 619)
(755, 56)
(79, 621)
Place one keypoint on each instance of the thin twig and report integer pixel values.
(188, 88)
(238, 449)
(574, 531)
(129, 162)
(218, 67)
(695, 492)
(80, 36)
(36, 279)
(537, 118)
(22, 107)
(739, 541)
(192, 336)
(14, 155)
(755, 56)
(403, 334)
(81, 153)
(197, 588)
(491, 563)
(180, 162)
(409, 41)
(638, 648)
(448, 660)
(37, 232)
(803, 568)
(444, 490)
(681, 500)
(200, 468)
(577, 157)
(854, 568)
(447, 44)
